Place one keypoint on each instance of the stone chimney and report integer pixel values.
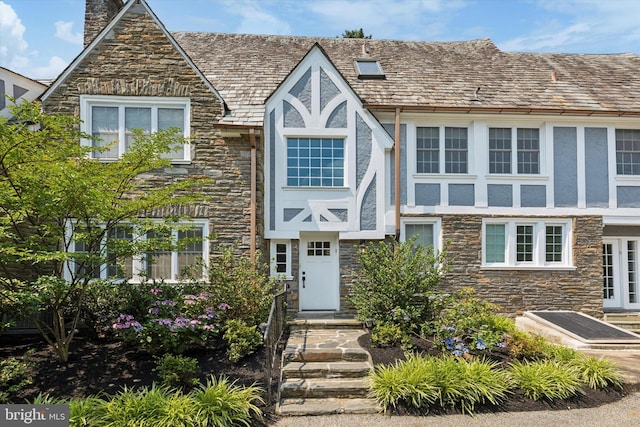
(97, 14)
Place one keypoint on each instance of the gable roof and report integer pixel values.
(129, 5)
(431, 76)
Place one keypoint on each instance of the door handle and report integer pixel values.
(303, 279)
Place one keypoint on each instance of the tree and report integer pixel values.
(53, 194)
(355, 34)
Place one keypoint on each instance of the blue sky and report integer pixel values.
(38, 38)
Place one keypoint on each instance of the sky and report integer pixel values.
(39, 38)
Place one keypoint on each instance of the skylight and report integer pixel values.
(369, 69)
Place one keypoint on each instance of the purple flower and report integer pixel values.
(154, 311)
(448, 342)
(480, 344)
(224, 306)
(156, 291)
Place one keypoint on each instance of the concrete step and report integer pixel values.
(325, 355)
(626, 316)
(324, 388)
(629, 325)
(340, 369)
(327, 406)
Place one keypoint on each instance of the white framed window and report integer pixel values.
(426, 230)
(522, 157)
(112, 119)
(442, 148)
(526, 243)
(315, 162)
(281, 259)
(628, 151)
(192, 251)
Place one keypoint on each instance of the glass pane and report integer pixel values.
(628, 151)
(528, 151)
(190, 245)
(554, 243)
(427, 149)
(172, 118)
(499, 150)
(104, 125)
(159, 261)
(607, 263)
(455, 146)
(632, 269)
(315, 162)
(524, 243)
(118, 265)
(495, 243)
(423, 231)
(136, 118)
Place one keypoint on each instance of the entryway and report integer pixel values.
(621, 290)
(319, 272)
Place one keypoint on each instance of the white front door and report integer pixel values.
(319, 272)
(620, 262)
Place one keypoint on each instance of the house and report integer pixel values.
(17, 87)
(526, 166)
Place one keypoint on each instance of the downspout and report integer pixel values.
(252, 208)
(396, 144)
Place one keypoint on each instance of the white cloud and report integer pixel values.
(588, 26)
(55, 66)
(63, 32)
(11, 34)
(254, 19)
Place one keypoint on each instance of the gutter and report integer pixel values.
(254, 187)
(505, 110)
(396, 158)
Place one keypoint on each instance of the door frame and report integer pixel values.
(332, 279)
(620, 264)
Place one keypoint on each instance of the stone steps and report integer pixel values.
(324, 370)
(629, 321)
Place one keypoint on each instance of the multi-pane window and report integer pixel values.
(427, 150)
(527, 152)
(499, 150)
(281, 258)
(632, 271)
(455, 150)
(171, 254)
(315, 162)
(422, 232)
(318, 248)
(608, 285)
(112, 121)
(628, 151)
(454, 145)
(527, 244)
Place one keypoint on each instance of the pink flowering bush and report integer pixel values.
(173, 325)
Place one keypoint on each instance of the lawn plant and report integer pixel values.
(548, 379)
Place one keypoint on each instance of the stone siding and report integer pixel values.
(137, 59)
(520, 290)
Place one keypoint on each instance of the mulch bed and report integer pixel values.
(107, 365)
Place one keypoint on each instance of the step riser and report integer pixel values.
(328, 356)
(324, 393)
(324, 374)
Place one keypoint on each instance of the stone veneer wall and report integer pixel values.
(136, 59)
(520, 290)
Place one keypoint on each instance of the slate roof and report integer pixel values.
(437, 76)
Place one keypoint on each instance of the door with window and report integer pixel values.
(319, 272)
(620, 278)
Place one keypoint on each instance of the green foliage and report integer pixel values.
(223, 403)
(390, 335)
(393, 281)
(597, 373)
(547, 379)
(241, 339)
(467, 323)
(177, 371)
(421, 383)
(355, 34)
(244, 286)
(14, 376)
(525, 346)
(53, 194)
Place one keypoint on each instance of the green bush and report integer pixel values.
(177, 371)
(14, 376)
(547, 379)
(242, 339)
(244, 286)
(390, 335)
(597, 373)
(394, 281)
(447, 382)
(218, 403)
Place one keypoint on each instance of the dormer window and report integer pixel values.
(369, 69)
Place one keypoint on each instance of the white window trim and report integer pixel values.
(139, 266)
(437, 229)
(88, 101)
(287, 275)
(442, 150)
(539, 244)
(514, 153)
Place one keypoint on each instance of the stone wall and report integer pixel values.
(136, 59)
(520, 290)
(97, 14)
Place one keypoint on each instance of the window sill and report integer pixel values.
(442, 176)
(528, 267)
(287, 188)
(515, 177)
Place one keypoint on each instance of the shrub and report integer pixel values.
(177, 371)
(242, 285)
(393, 278)
(448, 381)
(223, 403)
(597, 373)
(390, 335)
(173, 325)
(547, 379)
(14, 376)
(525, 346)
(242, 339)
